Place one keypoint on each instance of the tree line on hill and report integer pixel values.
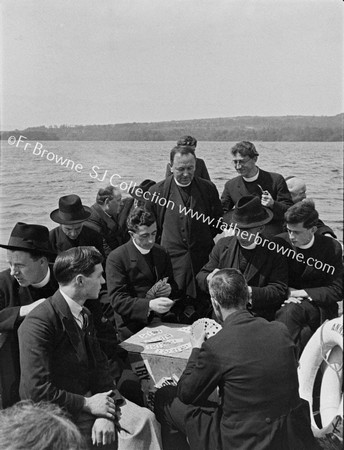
(252, 128)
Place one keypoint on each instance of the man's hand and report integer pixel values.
(267, 200)
(293, 300)
(24, 310)
(101, 405)
(161, 305)
(197, 342)
(211, 274)
(103, 432)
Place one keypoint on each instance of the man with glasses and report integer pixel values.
(264, 269)
(139, 277)
(270, 187)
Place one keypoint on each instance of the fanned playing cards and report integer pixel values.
(205, 325)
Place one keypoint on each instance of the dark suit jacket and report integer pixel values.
(188, 240)
(253, 364)
(55, 365)
(106, 226)
(266, 273)
(200, 171)
(129, 278)
(274, 183)
(12, 297)
(60, 242)
(325, 287)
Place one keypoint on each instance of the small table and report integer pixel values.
(158, 354)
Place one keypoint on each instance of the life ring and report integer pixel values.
(325, 347)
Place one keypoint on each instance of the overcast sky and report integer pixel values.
(115, 61)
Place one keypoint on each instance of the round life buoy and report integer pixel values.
(325, 347)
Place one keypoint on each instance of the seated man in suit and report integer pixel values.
(103, 218)
(252, 363)
(297, 189)
(72, 215)
(139, 277)
(201, 169)
(315, 272)
(270, 187)
(26, 284)
(61, 361)
(265, 271)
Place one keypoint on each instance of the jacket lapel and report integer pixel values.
(138, 261)
(63, 311)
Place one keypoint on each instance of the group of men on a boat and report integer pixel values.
(73, 293)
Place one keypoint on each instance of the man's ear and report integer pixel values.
(313, 229)
(79, 279)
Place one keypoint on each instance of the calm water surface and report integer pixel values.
(31, 185)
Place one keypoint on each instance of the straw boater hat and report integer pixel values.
(70, 211)
(145, 185)
(29, 237)
(248, 213)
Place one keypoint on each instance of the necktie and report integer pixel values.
(84, 316)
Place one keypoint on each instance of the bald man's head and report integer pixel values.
(297, 189)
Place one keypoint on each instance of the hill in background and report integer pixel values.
(251, 128)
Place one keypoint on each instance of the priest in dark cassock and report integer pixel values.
(26, 284)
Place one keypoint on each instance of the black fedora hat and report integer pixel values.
(70, 210)
(248, 213)
(144, 186)
(30, 237)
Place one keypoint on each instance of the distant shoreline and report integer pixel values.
(251, 128)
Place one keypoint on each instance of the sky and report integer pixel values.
(118, 61)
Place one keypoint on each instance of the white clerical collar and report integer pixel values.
(309, 245)
(73, 305)
(254, 178)
(182, 185)
(249, 247)
(143, 251)
(42, 283)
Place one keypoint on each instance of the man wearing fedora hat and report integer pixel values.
(201, 169)
(26, 284)
(269, 187)
(72, 215)
(265, 271)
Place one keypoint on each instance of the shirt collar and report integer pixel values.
(42, 283)
(74, 307)
(254, 178)
(309, 245)
(182, 185)
(143, 251)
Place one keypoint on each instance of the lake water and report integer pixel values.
(32, 184)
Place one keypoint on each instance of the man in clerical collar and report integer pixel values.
(188, 212)
(265, 271)
(26, 284)
(140, 277)
(315, 272)
(270, 187)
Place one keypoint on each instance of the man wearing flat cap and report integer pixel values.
(201, 169)
(72, 215)
(26, 284)
(269, 187)
(265, 271)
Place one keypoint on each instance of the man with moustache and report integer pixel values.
(315, 273)
(72, 216)
(265, 271)
(103, 218)
(140, 277)
(188, 212)
(270, 187)
(297, 189)
(61, 361)
(26, 284)
(252, 364)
